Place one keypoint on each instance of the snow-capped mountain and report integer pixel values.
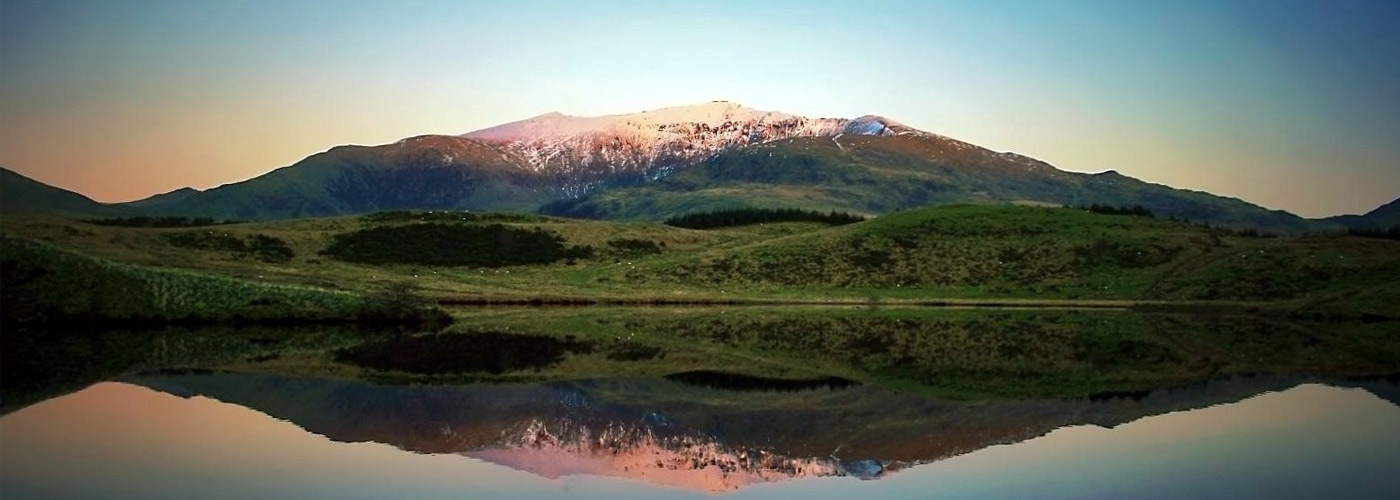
(670, 161)
(588, 151)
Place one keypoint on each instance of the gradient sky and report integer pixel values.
(1289, 104)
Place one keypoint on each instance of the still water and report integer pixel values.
(228, 435)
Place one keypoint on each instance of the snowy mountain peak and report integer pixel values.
(555, 124)
(651, 144)
(879, 125)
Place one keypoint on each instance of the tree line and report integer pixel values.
(747, 216)
(1389, 234)
(146, 221)
(1135, 210)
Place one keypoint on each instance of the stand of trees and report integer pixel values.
(447, 216)
(1136, 210)
(1389, 234)
(144, 221)
(746, 216)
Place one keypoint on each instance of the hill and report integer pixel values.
(1382, 218)
(22, 195)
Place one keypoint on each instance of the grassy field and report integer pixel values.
(45, 283)
(967, 254)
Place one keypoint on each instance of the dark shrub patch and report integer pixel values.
(435, 244)
(144, 221)
(448, 216)
(746, 216)
(632, 351)
(1135, 210)
(258, 246)
(628, 247)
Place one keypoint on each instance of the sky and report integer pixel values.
(1289, 104)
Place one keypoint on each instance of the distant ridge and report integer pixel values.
(22, 195)
(1383, 217)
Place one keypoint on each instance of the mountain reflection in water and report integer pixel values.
(679, 435)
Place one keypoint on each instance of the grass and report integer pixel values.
(968, 254)
(50, 284)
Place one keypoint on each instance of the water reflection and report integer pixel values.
(677, 434)
(761, 402)
(224, 435)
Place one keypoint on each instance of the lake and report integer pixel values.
(741, 407)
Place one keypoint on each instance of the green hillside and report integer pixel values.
(20, 195)
(876, 175)
(439, 172)
(1044, 252)
(979, 254)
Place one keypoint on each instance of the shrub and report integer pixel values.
(628, 247)
(259, 246)
(746, 216)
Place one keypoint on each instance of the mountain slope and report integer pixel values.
(1384, 217)
(879, 174)
(440, 172)
(22, 195)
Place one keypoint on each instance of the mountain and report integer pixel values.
(590, 152)
(664, 162)
(516, 166)
(20, 195)
(880, 174)
(164, 198)
(1384, 217)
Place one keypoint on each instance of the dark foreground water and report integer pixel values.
(237, 436)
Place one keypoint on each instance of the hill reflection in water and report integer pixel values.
(673, 434)
(259, 439)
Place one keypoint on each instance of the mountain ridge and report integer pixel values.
(20, 194)
(1381, 218)
(653, 164)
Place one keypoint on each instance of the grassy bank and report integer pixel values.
(45, 283)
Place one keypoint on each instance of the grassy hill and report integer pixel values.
(1384, 217)
(1033, 251)
(876, 175)
(20, 195)
(981, 253)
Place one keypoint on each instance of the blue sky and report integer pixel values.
(1288, 104)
